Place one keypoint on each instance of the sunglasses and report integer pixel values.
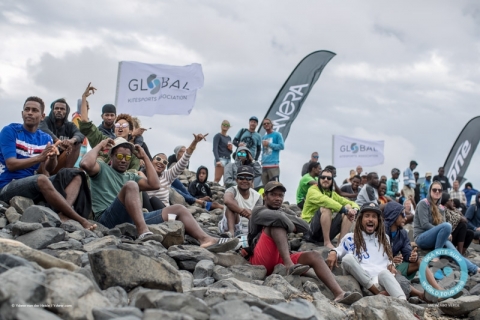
(165, 162)
(225, 125)
(266, 123)
(316, 157)
(436, 190)
(123, 125)
(241, 154)
(120, 156)
(244, 178)
(325, 178)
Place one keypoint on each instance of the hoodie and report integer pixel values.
(473, 214)
(423, 220)
(67, 129)
(400, 243)
(230, 173)
(200, 189)
(469, 193)
(173, 158)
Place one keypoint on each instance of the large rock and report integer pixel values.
(155, 314)
(101, 243)
(278, 283)
(43, 259)
(20, 228)
(220, 273)
(129, 269)
(25, 284)
(12, 215)
(248, 272)
(116, 313)
(41, 215)
(176, 198)
(9, 261)
(12, 312)
(266, 294)
(117, 296)
(187, 280)
(42, 238)
(190, 253)
(203, 269)
(322, 304)
(3, 222)
(381, 307)
(72, 295)
(298, 309)
(460, 306)
(173, 233)
(171, 301)
(236, 310)
(21, 204)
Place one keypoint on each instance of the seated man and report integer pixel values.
(23, 150)
(405, 258)
(352, 188)
(112, 185)
(243, 158)
(239, 202)
(64, 133)
(320, 205)
(473, 217)
(268, 242)
(366, 254)
(201, 190)
(369, 191)
(308, 180)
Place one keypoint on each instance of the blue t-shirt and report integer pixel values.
(16, 142)
(271, 154)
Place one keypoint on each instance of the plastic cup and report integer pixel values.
(172, 217)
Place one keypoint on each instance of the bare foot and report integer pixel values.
(329, 245)
(209, 242)
(87, 225)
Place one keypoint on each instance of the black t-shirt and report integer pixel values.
(444, 180)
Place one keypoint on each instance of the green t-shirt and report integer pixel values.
(303, 186)
(106, 185)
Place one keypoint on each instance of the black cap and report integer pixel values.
(109, 108)
(245, 170)
(273, 185)
(371, 206)
(253, 118)
(413, 162)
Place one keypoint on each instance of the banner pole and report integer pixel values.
(118, 84)
(333, 139)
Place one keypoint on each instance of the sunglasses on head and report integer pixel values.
(325, 178)
(123, 125)
(241, 154)
(248, 178)
(120, 156)
(165, 162)
(436, 190)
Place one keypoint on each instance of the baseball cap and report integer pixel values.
(245, 170)
(253, 118)
(109, 108)
(428, 174)
(413, 162)
(273, 185)
(364, 174)
(371, 206)
(117, 142)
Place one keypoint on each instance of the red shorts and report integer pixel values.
(267, 255)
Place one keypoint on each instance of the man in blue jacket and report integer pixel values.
(406, 259)
(473, 217)
(272, 143)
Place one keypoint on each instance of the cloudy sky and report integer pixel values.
(405, 72)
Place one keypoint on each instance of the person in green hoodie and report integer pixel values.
(321, 204)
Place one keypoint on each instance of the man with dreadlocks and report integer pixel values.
(367, 255)
(320, 205)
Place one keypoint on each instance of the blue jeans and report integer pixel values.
(117, 214)
(223, 160)
(437, 237)
(179, 187)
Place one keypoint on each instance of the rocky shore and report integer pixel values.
(51, 269)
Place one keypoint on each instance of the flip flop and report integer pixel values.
(143, 235)
(297, 269)
(349, 298)
(223, 245)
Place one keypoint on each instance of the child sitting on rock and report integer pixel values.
(201, 190)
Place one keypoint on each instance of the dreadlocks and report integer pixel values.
(359, 241)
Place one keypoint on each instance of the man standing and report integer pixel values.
(369, 192)
(456, 193)
(56, 125)
(249, 138)
(409, 183)
(107, 127)
(425, 185)
(321, 204)
(392, 184)
(308, 180)
(272, 143)
(313, 159)
(359, 170)
(443, 179)
(239, 202)
(23, 150)
(268, 243)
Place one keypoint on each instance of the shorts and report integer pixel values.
(403, 269)
(266, 254)
(270, 174)
(315, 231)
(117, 214)
(25, 187)
(223, 160)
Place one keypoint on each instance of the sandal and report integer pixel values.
(143, 235)
(297, 269)
(350, 298)
(223, 245)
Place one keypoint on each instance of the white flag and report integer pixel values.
(351, 152)
(148, 89)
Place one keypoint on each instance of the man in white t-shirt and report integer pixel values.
(239, 201)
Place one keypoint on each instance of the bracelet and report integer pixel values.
(333, 251)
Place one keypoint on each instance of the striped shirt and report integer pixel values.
(166, 178)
